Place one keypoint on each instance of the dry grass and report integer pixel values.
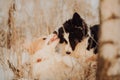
(22, 22)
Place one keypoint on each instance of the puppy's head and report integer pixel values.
(50, 41)
(35, 45)
(73, 31)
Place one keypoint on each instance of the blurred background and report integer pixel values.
(22, 21)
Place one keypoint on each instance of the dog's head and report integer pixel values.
(72, 32)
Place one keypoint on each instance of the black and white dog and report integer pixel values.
(74, 31)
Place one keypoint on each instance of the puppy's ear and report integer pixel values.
(76, 19)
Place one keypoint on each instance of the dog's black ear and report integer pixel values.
(76, 20)
(76, 15)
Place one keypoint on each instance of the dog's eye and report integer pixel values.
(44, 38)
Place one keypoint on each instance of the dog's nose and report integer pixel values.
(68, 52)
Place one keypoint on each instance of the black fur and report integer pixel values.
(93, 40)
(78, 30)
